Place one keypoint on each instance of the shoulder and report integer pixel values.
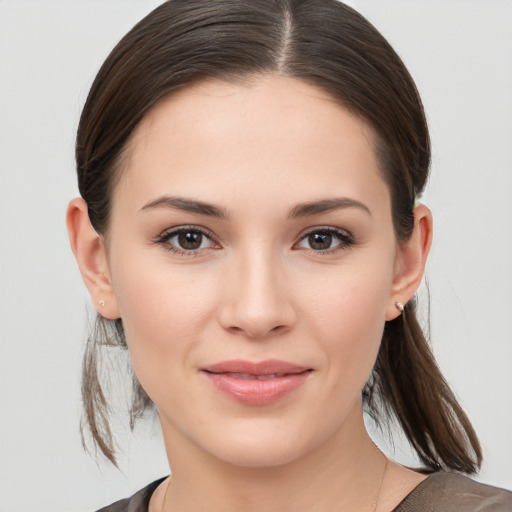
(139, 502)
(448, 492)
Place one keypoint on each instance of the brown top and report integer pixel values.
(439, 492)
(448, 492)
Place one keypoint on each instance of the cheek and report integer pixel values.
(347, 314)
(354, 294)
(163, 312)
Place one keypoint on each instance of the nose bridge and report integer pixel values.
(257, 303)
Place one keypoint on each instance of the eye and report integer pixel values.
(186, 240)
(326, 240)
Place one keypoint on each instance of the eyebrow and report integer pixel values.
(326, 205)
(301, 210)
(186, 205)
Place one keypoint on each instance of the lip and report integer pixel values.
(256, 383)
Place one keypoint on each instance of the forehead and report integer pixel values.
(277, 133)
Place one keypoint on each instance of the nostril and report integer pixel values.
(257, 331)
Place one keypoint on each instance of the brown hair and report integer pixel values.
(331, 46)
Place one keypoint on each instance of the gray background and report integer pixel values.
(459, 52)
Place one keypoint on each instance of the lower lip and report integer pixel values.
(255, 391)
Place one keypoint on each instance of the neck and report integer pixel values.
(343, 473)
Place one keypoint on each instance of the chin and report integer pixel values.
(257, 456)
(264, 446)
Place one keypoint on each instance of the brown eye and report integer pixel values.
(320, 241)
(186, 240)
(326, 240)
(190, 240)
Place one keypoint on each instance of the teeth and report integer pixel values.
(244, 376)
(247, 376)
(271, 376)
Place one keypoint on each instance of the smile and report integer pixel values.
(256, 383)
(259, 377)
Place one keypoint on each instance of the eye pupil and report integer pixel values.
(320, 241)
(190, 240)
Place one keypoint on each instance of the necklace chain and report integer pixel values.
(165, 495)
(375, 503)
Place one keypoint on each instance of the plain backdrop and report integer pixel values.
(460, 54)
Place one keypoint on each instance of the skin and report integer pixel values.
(256, 289)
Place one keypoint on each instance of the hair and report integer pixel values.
(326, 44)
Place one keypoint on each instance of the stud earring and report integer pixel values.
(399, 306)
(102, 303)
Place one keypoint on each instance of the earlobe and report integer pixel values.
(89, 250)
(411, 260)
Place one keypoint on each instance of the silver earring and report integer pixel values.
(399, 306)
(102, 303)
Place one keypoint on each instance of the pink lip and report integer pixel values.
(258, 383)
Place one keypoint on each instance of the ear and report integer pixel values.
(89, 250)
(411, 259)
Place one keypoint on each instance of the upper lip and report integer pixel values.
(267, 367)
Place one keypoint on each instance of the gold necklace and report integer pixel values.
(375, 503)
(165, 495)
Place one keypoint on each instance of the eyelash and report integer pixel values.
(163, 239)
(345, 240)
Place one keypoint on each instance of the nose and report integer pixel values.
(257, 301)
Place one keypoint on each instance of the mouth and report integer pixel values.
(247, 376)
(258, 383)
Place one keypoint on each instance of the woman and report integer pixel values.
(249, 230)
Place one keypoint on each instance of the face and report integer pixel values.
(252, 256)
